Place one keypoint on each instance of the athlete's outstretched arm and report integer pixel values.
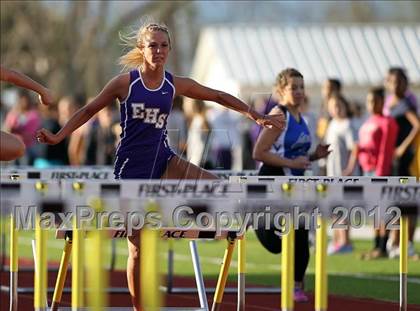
(21, 80)
(117, 88)
(191, 88)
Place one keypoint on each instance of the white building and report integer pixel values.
(244, 59)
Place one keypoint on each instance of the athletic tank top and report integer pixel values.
(293, 142)
(144, 115)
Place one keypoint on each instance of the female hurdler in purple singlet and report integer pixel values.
(145, 94)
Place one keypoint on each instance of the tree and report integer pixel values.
(73, 50)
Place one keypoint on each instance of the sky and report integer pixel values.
(261, 11)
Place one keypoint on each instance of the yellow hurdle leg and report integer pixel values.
(403, 262)
(321, 285)
(149, 270)
(41, 267)
(62, 273)
(97, 278)
(150, 296)
(170, 275)
(13, 264)
(77, 280)
(241, 273)
(221, 282)
(288, 269)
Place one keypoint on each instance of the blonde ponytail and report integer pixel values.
(132, 59)
(135, 40)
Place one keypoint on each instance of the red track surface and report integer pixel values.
(253, 302)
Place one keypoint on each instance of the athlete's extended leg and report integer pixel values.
(11, 147)
(133, 269)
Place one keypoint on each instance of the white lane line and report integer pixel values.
(58, 244)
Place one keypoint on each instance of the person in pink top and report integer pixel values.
(11, 146)
(377, 137)
(374, 152)
(23, 121)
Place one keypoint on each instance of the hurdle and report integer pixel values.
(197, 272)
(65, 172)
(13, 264)
(331, 193)
(62, 272)
(221, 282)
(87, 173)
(150, 298)
(346, 191)
(97, 278)
(104, 173)
(241, 273)
(111, 187)
(41, 276)
(351, 193)
(13, 192)
(322, 183)
(403, 262)
(321, 279)
(77, 297)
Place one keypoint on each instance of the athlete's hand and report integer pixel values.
(45, 97)
(347, 172)
(44, 136)
(273, 120)
(300, 162)
(320, 152)
(399, 152)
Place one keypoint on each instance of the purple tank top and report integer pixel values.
(144, 115)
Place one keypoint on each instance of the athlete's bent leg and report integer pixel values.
(179, 168)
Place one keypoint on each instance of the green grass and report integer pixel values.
(348, 275)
